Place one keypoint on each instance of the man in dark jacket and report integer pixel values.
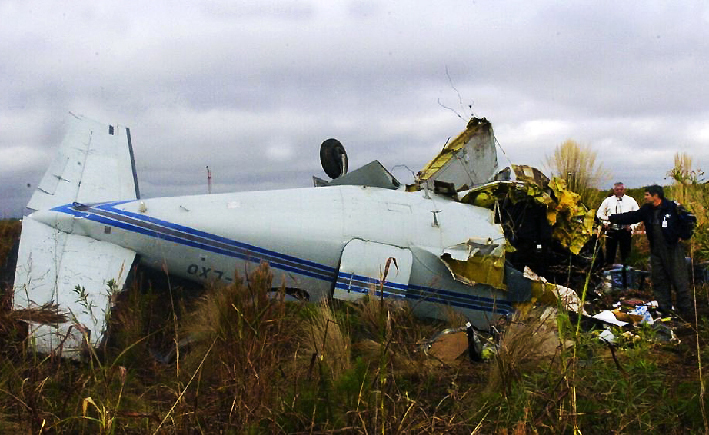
(669, 268)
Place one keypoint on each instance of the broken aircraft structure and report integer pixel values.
(449, 236)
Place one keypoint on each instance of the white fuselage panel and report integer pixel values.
(301, 233)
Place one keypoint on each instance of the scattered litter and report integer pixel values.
(607, 336)
(666, 334)
(449, 347)
(475, 345)
(568, 297)
(629, 336)
(488, 352)
(449, 344)
(623, 277)
(643, 313)
(627, 317)
(608, 317)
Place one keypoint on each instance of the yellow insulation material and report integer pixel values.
(478, 270)
(571, 221)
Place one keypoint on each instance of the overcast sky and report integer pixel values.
(251, 88)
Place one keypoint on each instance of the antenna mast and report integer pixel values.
(209, 180)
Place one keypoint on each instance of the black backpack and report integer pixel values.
(687, 222)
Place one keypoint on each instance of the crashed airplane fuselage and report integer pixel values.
(88, 227)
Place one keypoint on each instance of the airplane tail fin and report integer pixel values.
(94, 163)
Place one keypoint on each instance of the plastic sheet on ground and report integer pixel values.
(608, 317)
(568, 297)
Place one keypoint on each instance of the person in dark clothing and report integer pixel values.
(667, 261)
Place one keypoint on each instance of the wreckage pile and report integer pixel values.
(556, 212)
(512, 192)
(243, 359)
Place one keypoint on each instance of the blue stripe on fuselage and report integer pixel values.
(110, 207)
(362, 284)
(108, 214)
(276, 260)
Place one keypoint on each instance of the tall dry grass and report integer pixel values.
(692, 191)
(529, 341)
(389, 333)
(325, 339)
(689, 190)
(9, 235)
(576, 164)
(688, 187)
(241, 341)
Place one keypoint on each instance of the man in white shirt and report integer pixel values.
(617, 234)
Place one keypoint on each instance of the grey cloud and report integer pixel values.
(225, 84)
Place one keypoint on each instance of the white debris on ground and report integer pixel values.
(567, 296)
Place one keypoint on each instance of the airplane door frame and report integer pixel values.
(362, 268)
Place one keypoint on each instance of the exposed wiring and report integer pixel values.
(450, 108)
(413, 174)
(497, 142)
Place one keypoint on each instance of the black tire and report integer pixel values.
(333, 158)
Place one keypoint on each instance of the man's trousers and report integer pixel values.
(669, 269)
(615, 238)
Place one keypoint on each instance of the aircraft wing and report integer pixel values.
(79, 274)
(94, 163)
